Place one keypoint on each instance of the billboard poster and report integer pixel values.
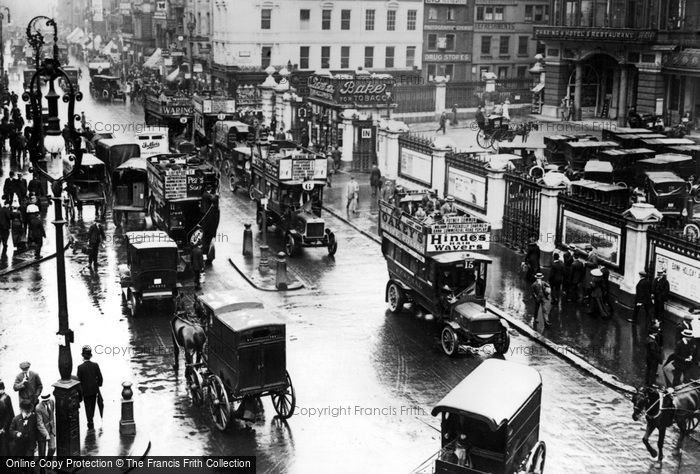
(683, 273)
(467, 188)
(416, 166)
(579, 231)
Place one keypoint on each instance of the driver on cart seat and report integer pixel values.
(480, 118)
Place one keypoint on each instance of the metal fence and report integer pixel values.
(411, 98)
(463, 94)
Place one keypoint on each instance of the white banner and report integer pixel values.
(466, 187)
(416, 165)
(683, 273)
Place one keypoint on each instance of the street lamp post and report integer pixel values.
(2, 44)
(190, 29)
(48, 139)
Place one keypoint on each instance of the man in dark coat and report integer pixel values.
(375, 180)
(28, 385)
(96, 235)
(660, 290)
(7, 413)
(532, 258)
(556, 277)
(5, 225)
(568, 261)
(197, 258)
(36, 233)
(24, 431)
(35, 187)
(654, 355)
(90, 378)
(304, 138)
(679, 362)
(46, 423)
(578, 275)
(8, 187)
(21, 186)
(642, 299)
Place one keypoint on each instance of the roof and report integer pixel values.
(667, 159)
(627, 130)
(504, 156)
(223, 302)
(91, 160)
(136, 163)
(522, 146)
(248, 318)
(589, 184)
(117, 141)
(629, 151)
(669, 141)
(240, 126)
(686, 148)
(591, 144)
(493, 392)
(150, 239)
(596, 166)
(664, 177)
(450, 257)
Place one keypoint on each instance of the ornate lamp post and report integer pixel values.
(2, 44)
(190, 29)
(47, 138)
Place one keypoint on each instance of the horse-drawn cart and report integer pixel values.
(244, 358)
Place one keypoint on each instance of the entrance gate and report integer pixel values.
(364, 149)
(521, 214)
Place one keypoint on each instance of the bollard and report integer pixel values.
(264, 266)
(281, 277)
(127, 426)
(247, 241)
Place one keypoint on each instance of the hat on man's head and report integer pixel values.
(2, 385)
(450, 199)
(589, 247)
(25, 405)
(45, 396)
(596, 272)
(643, 273)
(87, 352)
(687, 333)
(25, 365)
(539, 275)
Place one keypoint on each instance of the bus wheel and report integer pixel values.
(449, 341)
(502, 346)
(396, 297)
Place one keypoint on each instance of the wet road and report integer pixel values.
(372, 375)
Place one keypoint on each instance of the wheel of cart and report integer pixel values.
(332, 244)
(195, 384)
(219, 405)
(285, 401)
(484, 139)
(395, 296)
(291, 244)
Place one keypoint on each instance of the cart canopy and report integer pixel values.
(226, 302)
(595, 166)
(658, 177)
(153, 239)
(248, 318)
(136, 164)
(667, 159)
(492, 393)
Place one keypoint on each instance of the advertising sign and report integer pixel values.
(405, 233)
(467, 188)
(579, 231)
(595, 34)
(683, 273)
(125, 8)
(416, 165)
(369, 92)
(458, 234)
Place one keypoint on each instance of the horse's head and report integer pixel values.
(641, 401)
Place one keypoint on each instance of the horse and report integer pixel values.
(662, 408)
(189, 336)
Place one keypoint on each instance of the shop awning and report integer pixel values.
(110, 48)
(155, 60)
(75, 36)
(538, 87)
(173, 75)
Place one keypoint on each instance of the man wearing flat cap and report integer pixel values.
(46, 424)
(28, 384)
(90, 378)
(660, 289)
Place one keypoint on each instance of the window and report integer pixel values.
(325, 57)
(411, 20)
(486, 45)
(522, 71)
(345, 57)
(389, 58)
(304, 19)
(522, 45)
(266, 55)
(369, 56)
(447, 70)
(503, 72)
(344, 19)
(450, 42)
(410, 56)
(369, 20)
(304, 57)
(432, 13)
(489, 13)
(265, 18)
(541, 13)
(504, 45)
(528, 13)
(326, 20)
(391, 20)
(451, 15)
(431, 70)
(540, 47)
(432, 42)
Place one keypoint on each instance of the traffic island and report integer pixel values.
(266, 279)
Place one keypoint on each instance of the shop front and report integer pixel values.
(682, 73)
(343, 110)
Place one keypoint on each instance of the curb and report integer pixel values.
(564, 352)
(22, 266)
(298, 285)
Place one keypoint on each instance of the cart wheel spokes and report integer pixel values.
(395, 297)
(449, 341)
(332, 245)
(194, 385)
(285, 401)
(691, 423)
(535, 462)
(219, 406)
(290, 245)
(251, 192)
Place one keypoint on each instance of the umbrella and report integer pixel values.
(100, 403)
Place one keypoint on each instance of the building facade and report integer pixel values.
(197, 24)
(503, 36)
(447, 39)
(606, 56)
(312, 35)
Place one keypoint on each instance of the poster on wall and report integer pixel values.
(467, 188)
(416, 166)
(682, 273)
(579, 231)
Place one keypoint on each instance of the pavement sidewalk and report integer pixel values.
(615, 349)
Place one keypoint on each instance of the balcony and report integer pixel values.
(614, 35)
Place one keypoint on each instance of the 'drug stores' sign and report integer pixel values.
(407, 233)
(683, 273)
